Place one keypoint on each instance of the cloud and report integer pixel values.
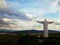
(59, 3)
(3, 4)
(15, 14)
(6, 22)
(12, 13)
(49, 9)
(2, 22)
(42, 8)
(10, 16)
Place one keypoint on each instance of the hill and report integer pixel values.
(28, 31)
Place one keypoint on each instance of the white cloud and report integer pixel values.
(46, 6)
(37, 11)
(10, 17)
(6, 8)
(29, 15)
(3, 4)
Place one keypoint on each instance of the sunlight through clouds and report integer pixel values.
(23, 14)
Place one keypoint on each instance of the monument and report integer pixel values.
(45, 26)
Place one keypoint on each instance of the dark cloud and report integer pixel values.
(59, 3)
(5, 23)
(10, 12)
(13, 14)
(2, 22)
(57, 23)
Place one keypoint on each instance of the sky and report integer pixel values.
(24, 14)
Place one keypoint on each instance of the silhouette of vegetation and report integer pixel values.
(29, 39)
